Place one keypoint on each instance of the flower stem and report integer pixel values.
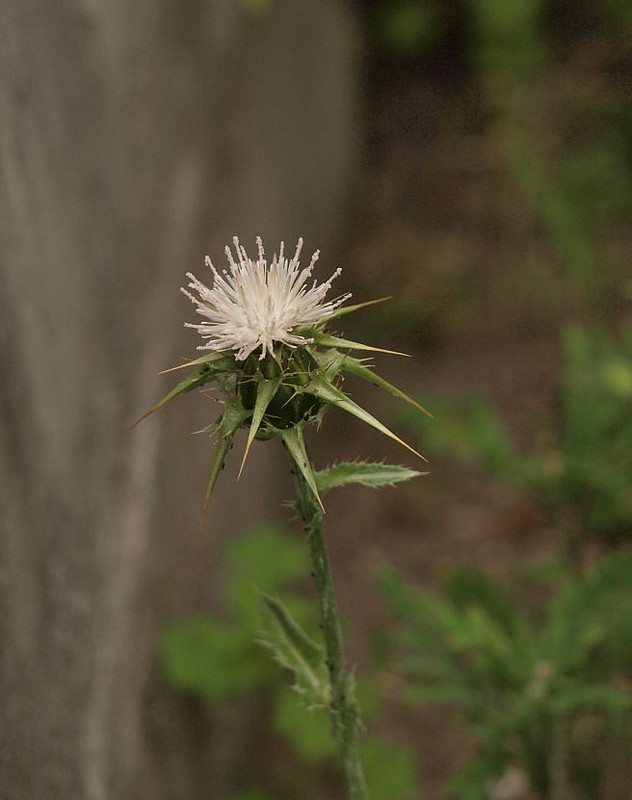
(344, 712)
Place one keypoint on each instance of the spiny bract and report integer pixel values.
(271, 356)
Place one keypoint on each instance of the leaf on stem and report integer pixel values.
(233, 417)
(295, 650)
(364, 473)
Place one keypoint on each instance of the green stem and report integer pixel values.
(344, 712)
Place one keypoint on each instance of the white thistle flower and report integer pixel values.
(256, 304)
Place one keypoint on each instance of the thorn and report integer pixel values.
(144, 416)
(349, 309)
(243, 460)
(173, 369)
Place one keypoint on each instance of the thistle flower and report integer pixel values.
(272, 356)
(256, 305)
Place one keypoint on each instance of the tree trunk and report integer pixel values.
(134, 138)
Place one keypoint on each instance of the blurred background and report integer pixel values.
(471, 158)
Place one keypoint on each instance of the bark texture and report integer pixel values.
(134, 138)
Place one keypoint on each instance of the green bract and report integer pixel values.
(282, 393)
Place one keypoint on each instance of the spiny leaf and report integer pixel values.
(301, 641)
(192, 381)
(327, 340)
(221, 451)
(266, 389)
(356, 367)
(330, 362)
(330, 394)
(293, 438)
(364, 473)
(297, 652)
(233, 417)
(210, 358)
(343, 310)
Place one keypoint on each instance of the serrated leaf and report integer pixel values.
(297, 652)
(364, 473)
(309, 650)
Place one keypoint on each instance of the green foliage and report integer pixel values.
(219, 660)
(407, 27)
(208, 658)
(584, 473)
(391, 770)
(297, 652)
(364, 473)
(595, 440)
(309, 730)
(541, 691)
(473, 431)
(267, 560)
(508, 36)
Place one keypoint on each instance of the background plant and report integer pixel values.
(220, 659)
(539, 666)
(579, 471)
(544, 690)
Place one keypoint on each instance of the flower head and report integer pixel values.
(297, 374)
(256, 304)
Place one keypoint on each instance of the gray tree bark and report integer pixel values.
(134, 138)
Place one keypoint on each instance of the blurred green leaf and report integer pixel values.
(592, 698)
(297, 652)
(267, 559)
(408, 27)
(391, 770)
(523, 679)
(509, 40)
(309, 731)
(465, 586)
(210, 659)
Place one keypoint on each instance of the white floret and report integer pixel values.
(255, 304)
